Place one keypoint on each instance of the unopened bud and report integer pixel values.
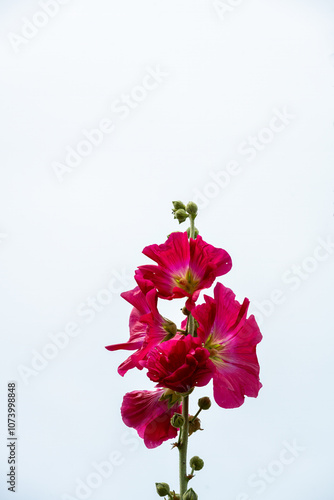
(192, 208)
(177, 420)
(196, 463)
(185, 311)
(204, 403)
(170, 328)
(177, 205)
(190, 495)
(162, 489)
(181, 215)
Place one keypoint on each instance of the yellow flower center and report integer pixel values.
(188, 282)
(215, 349)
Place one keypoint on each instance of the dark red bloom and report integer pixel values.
(184, 267)
(180, 364)
(231, 339)
(150, 412)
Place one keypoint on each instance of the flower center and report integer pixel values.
(188, 282)
(215, 349)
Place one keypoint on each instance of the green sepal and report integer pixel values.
(171, 397)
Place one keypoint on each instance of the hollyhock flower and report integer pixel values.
(138, 329)
(180, 364)
(150, 412)
(184, 267)
(231, 339)
(147, 327)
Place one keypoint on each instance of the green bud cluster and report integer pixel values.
(182, 212)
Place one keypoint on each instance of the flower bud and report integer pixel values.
(194, 425)
(177, 420)
(192, 208)
(170, 328)
(162, 489)
(181, 215)
(177, 205)
(204, 403)
(196, 463)
(190, 495)
(185, 311)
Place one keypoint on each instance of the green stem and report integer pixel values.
(191, 321)
(183, 447)
(184, 432)
(199, 411)
(192, 227)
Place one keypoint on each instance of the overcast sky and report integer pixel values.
(109, 111)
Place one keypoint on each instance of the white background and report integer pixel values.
(64, 239)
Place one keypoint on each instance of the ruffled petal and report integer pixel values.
(146, 327)
(183, 267)
(150, 416)
(173, 254)
(180, 364)
(231, 339)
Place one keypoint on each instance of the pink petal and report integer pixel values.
(144, 411)
(231, 338)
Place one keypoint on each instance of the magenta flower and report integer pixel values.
(184, 267)
(180, 364)
(231, 339)
(138, 329)
(147, 327)
(150, 412)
